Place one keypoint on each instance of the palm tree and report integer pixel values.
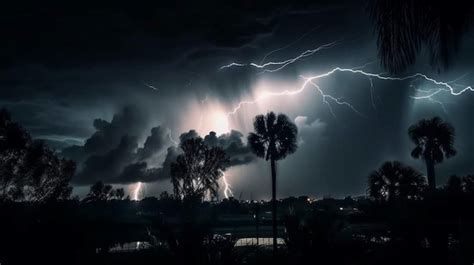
(434, 140)
(393, 181)
(274, 138)
(404, 27)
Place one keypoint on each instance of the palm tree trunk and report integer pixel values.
(431, 174)
(274, 206)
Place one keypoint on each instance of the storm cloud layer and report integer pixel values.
(113, 155)
(67, 71)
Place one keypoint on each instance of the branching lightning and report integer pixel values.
(444, 86)
(288, 45)
(338, 101)
(450, 87)
(271, 66)
(227, 188)
(441, 87)
(325, 97)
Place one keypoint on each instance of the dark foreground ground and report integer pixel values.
(436, 230)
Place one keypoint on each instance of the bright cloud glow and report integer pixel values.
(220, 123)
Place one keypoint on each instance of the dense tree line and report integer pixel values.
(29, 170)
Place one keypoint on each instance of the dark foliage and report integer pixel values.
(395, 181)
(434, 140)
(274, 137)
(29, 170)
(404, 27)
(196, 172)
(102, 192)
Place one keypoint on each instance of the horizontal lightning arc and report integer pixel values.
(443, 87)
(446, 85)
(281, 64)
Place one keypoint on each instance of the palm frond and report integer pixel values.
(433, 139)
(285, 137)
(393, 180)
(403, 27)
(260, 126)
(258, 144)
(270, 119)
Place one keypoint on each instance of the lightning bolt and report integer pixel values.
(441, 87)
(137, 191)
(279, 65)
(338, 101)
(227, 188)
(450, 87)
(325, 97)
(356, 70)
(288, 45)
(374, 106)
(429, 94)
(150, 86)
(231, 65)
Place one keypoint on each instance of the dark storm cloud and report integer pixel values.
(109, 165)
(64, 65)
(191, 134)
(127, 163)
(141, 172)
(232, 144)
(131, 121)
(111, 153)
(74, 152)
(239, 153)
(154, 143)
(111, 32)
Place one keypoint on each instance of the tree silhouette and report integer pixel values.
(45, 176)
(274, 138)
(103, 192)
(454, 185)
(119, 193)
(468, 184)
(196, 172)
(394, 181)
(434, 140)
(405, 26)
(29, 170)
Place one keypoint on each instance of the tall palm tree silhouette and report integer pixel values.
(434, 140)
(393, 181)
(404, 27)
(274, 138)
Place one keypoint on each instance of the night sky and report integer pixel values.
(113, 86)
